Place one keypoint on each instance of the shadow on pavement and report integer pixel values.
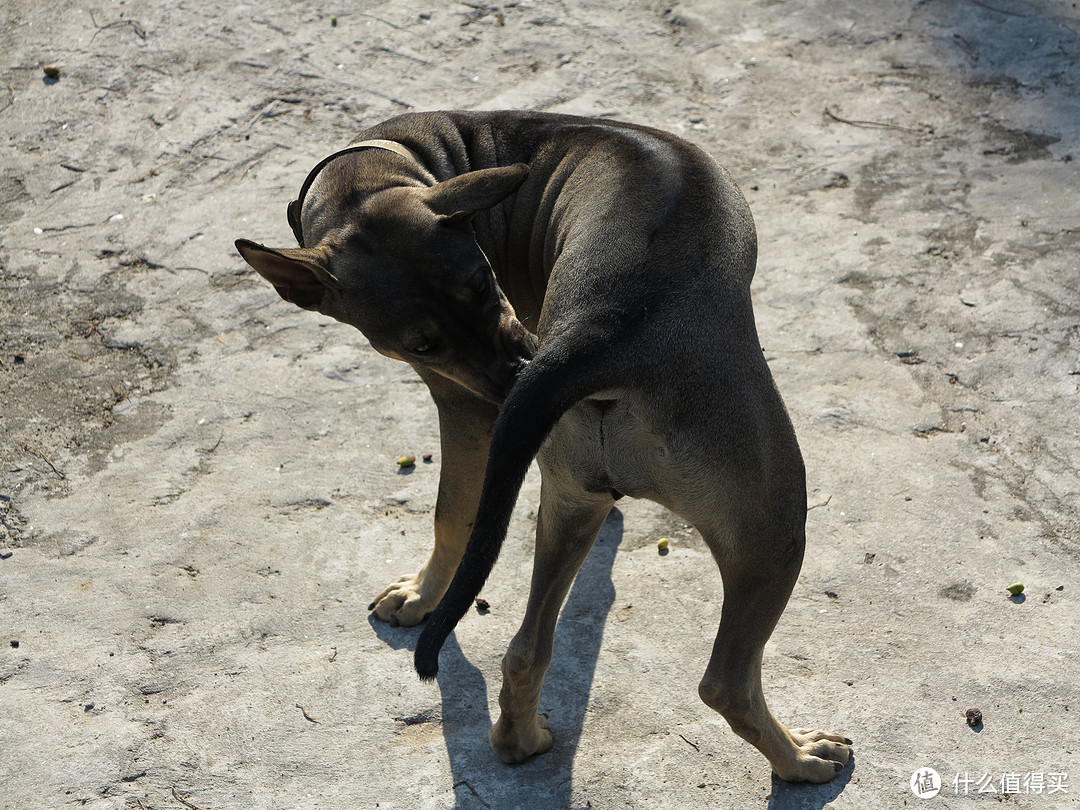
(479, 778)
(804, 796)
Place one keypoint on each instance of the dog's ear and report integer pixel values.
(298, 274)
(462, 196)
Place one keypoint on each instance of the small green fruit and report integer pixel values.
(407, 461)
(662, 544)
(1016, 588)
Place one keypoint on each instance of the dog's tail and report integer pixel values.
(549, 386)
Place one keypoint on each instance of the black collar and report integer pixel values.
(296, 206)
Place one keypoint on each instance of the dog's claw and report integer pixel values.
(516, 743)
(402, 604)
(819, 756)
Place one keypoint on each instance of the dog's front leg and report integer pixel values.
(465, 425)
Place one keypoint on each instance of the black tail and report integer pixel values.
(549, 386)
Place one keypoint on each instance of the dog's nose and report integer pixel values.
(518, 367)
(503, 377)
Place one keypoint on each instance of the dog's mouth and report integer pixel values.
(504, 382)
(491, 387)
(509, 350)
(518, 346)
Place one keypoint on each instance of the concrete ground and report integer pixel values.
(198, 494)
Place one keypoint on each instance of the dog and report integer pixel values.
(576, 291)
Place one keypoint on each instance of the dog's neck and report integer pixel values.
(296, 207)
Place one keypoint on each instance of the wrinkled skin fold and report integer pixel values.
(577, 292)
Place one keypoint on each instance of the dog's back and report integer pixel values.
(602, 198)
(628, 254)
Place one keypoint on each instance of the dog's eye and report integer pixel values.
(481, 282)
(475, 289)
(423, 348)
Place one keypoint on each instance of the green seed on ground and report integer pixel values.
(662, 544)
(1016, 588)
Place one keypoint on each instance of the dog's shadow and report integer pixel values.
(804, 796)
(479, 780)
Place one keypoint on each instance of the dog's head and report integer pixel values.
(401, 264)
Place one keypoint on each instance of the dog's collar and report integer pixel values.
(296, 206)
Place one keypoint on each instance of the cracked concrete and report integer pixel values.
(198, 495)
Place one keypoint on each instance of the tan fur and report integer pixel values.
(577, 291)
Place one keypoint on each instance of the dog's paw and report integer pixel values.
(819, 756)
(402, 604)
(516, 743)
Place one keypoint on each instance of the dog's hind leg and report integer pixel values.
(567, 525)
(759, 564)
